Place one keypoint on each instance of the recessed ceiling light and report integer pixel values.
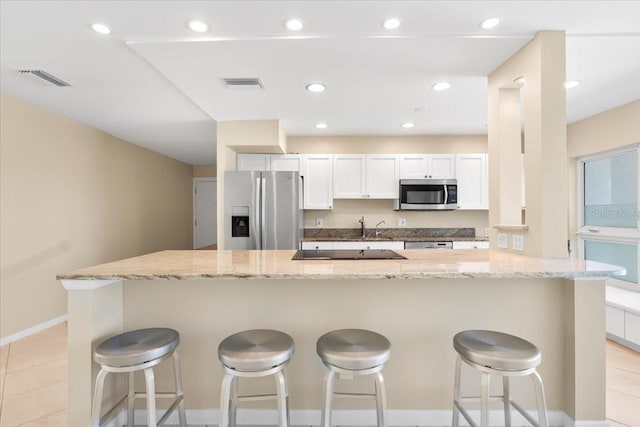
(101, 28)
(438, 86)
(519, 81)
(421, 109)
(490, 23)
(408, 125)
(316, 87)
(391, 23)
(198, 26)
(572, 83)
(294, 24)
(321, 125)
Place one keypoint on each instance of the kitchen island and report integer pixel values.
(419, 303)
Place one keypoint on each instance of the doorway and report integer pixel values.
(204, 212)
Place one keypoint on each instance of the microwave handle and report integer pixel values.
(446, 194)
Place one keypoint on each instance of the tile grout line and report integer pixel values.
(4, 377)
(45, 416)
(623, 392)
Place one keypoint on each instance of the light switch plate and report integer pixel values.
(502, 240)
(318, 222)
(402, 222)
(486, 232)
(518, 242)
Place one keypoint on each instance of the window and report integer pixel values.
(609, 224)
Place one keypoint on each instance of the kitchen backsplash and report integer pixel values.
(389, 233)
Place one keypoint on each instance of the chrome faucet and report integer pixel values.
(378, 231)
(361, 221)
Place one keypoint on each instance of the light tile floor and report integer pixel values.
(33, 387)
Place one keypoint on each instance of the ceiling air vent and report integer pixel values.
(44, 77)
(248, 83)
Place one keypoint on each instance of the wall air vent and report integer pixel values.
(248, 83)
(44, 77)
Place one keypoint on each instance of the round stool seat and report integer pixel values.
(354, 349)
(137, 347)
(256, 350)
(497, 350)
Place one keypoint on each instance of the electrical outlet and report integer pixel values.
(402, 222)
(502, 240)
(318, 222)
(518, 242)
(486, 232)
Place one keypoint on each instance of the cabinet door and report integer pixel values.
(413, 166)
(317, 170)
(470, 245)
(253, 162)
(441, 166)
(310, 245)
(471, 172)
(382, 176)
(285, 162)
(368, 245)
(349, 176)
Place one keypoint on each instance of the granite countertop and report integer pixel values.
(395, 234)
(420, 264)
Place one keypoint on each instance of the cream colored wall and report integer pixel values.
(542, 64)
(72, 196)
(345, 213)
(204, 171)
(611, 129)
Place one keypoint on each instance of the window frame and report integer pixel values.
(609, 234)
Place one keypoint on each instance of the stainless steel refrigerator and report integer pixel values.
(263, 210)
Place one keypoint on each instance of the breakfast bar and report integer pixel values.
(418, 303)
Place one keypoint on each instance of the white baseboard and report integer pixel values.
(396, 418)
(32, 330)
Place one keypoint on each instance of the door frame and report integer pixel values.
(193, 208)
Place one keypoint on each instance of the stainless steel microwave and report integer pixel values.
(427, 195)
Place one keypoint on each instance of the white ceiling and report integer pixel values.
(157, 84)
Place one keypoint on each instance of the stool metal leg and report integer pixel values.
(506, 395)
(225, 391)
(151, 397)
(131, 398)
(456, 393)
(484, 400)
(328, 396)
(182, 416)
(542, 406)
(381, 400)
(233, 402)
(281, 397)
(97, 398)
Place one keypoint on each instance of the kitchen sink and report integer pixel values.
(347, 254)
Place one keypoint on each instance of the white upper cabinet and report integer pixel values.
(365, 176)
(381, 180)
(420, 166)
(317, 171)
(286, 162)
(253, 162)
(473, 181)
(349, 176)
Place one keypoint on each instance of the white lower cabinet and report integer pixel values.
(393, 245)
(470, 245)
(632, 327)
(317, 245)
(369, 245)
(615, 321)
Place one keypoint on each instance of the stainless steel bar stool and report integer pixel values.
(349, 353)
(140, 350)
(496, 353)
(251, 354)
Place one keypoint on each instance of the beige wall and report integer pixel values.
(542, 63)
(611, 129)
(73, 196)
(345, 213)
(204, 171)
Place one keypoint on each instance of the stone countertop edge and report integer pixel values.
(420, 264)
(396, 239)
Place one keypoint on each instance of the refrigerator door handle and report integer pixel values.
(257, 237)
(263, 213)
